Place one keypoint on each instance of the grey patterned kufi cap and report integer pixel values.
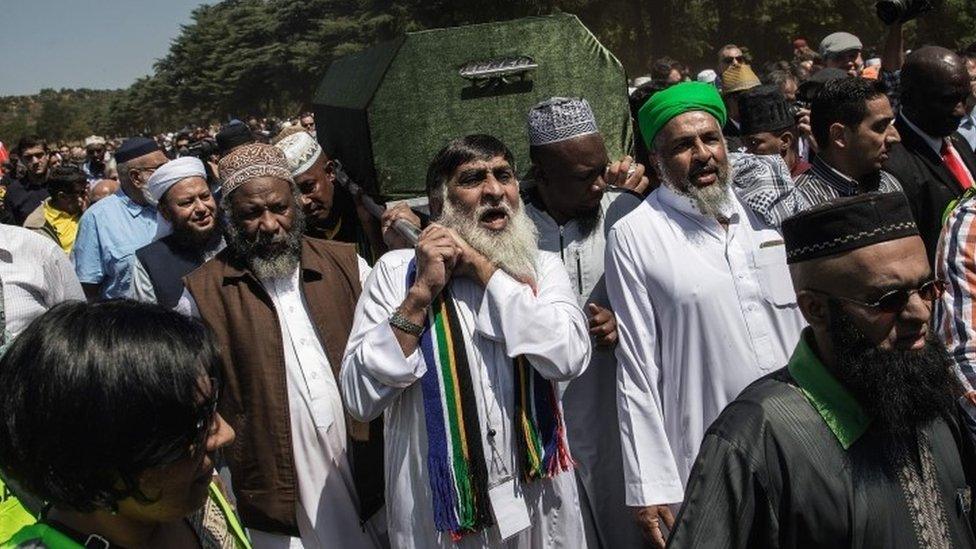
(250, 161)
(560, 118)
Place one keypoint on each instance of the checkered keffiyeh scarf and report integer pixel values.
(760, 181)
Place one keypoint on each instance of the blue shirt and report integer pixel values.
(109, 234)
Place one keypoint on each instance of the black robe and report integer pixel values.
(771, 473)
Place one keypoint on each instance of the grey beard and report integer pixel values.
(513, 249)
(711, 201)
(268, 258)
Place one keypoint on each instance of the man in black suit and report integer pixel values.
(933, 163)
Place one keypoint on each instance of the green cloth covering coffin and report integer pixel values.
(384, 112)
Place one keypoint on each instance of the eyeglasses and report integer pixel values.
(202, 428)
(896, 300)
(737, 58)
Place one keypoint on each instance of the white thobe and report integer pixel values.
(501, 321)
(701, 313)
(327, 507)
(590, 400)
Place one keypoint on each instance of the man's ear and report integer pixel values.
(838, 135)
(164, 211)
(814, 308)
(786, 141)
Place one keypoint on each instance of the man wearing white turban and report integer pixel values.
(187, 231)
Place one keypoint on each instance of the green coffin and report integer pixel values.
(384, 112)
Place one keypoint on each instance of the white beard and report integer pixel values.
(711, 201)
(514, 249)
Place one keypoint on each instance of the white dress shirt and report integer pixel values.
(36, 275)
(501, 321)
(327, 512)
(701, 312)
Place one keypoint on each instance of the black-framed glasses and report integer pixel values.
(896, 300)
(732, 59)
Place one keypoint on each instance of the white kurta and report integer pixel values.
(701, 313)
(501, 321)
(590, 400)
(327, 507)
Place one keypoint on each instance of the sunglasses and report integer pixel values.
(730, 60)
(205, 413)
(896, 300)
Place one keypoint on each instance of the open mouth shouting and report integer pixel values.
(494, 219)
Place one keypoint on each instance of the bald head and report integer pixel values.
(935, 85)
(103, 188)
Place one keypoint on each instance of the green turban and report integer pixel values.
(678, 99)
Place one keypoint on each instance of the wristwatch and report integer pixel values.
(400, 322)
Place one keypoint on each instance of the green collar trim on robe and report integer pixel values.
(840, 411)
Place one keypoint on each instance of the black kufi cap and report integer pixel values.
(233, 135)
(845, 224)
(764, 109)
(134, 147)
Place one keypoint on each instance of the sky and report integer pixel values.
(99, 44)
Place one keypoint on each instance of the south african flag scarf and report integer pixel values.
(455, 456)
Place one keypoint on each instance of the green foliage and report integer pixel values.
(242, 57)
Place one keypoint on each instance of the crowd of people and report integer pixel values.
(757, 331)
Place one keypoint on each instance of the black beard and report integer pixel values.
(589, 220)
(266, 257)
(901, 390)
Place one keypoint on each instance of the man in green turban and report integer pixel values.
(703, 299)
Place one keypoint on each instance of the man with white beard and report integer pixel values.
(703, 299)
(460, 344)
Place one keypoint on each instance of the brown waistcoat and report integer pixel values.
(235, 305)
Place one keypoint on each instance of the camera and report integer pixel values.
(901, 11)
(203, 149)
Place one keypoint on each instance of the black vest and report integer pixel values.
(167, 261)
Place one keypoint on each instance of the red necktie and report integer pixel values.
(955, 166)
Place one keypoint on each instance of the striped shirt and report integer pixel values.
(955, 314)
(821, 183)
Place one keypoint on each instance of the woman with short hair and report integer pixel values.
(109, 417)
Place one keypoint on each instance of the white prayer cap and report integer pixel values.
(708, 76)
(171, 173)
(94, 140)
(559, 119)
(301, 150)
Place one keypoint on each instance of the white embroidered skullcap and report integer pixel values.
(559, 119)
(301, 150)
